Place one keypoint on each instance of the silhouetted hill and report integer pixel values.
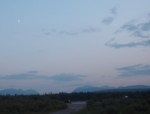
(12, 91)
(108, 88)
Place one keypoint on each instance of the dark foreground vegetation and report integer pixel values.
(33, 104)
(97, 103)
(118, 103)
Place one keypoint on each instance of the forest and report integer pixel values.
(118, 103)
(97, 103)
(29, 104)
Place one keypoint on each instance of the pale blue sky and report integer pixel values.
(58, 45)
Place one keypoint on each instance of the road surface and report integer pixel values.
(73, 107)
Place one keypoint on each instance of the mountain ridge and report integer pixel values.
(111, 88)
(12, 91)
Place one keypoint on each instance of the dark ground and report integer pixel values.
(72, 107)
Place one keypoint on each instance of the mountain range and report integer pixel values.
(110, 88)
(88, 88)
(12, 91)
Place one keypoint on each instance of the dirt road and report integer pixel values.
(73, 107)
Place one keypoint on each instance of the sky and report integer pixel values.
(59, 45)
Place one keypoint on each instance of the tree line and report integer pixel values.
(97, 102)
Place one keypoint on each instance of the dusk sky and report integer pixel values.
(58, 45)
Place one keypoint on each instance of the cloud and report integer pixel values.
(136, 32)
(90, 30)
(24, 76)
(33, 72)
(139, 34)
(129, 27)
(137, 29)
(70, 33)
(113, 10)
(67, 77)
(134, 70)
(129, 45)
(33, 75)
(107, 20)
(145, 26)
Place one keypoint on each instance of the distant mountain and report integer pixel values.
(134, 88)
(92, 88)
(108, 88)
(18, 92)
